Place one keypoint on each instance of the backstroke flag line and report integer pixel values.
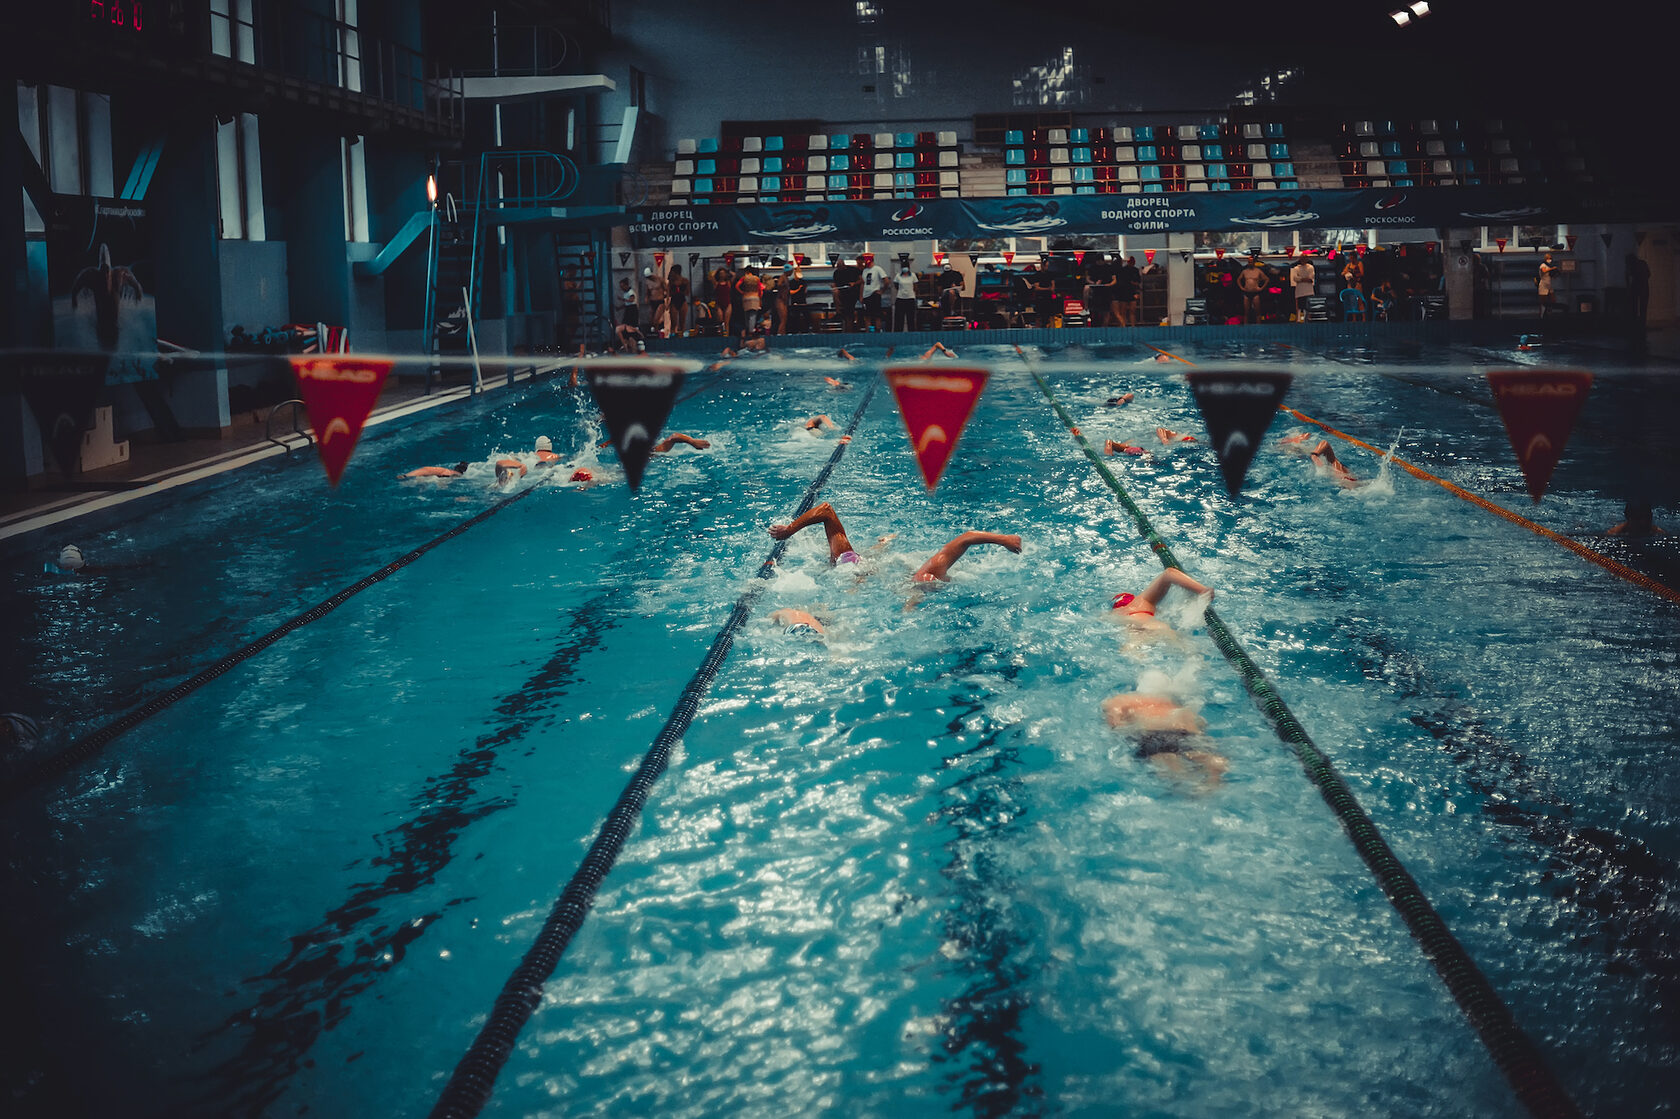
(635, 401)
(339, 392)
(1539, 407)
(1237, 408)
(936, 403)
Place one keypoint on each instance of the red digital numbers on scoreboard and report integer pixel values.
(115, 13)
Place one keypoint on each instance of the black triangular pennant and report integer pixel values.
(635, 399)
(1237, 408)
(623, 259)
(62, 389)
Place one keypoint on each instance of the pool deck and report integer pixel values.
(154, 467)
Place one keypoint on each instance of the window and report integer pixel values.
(69, 134)
(349, 46)
(239, 179)
(233, 30)
(355, 189)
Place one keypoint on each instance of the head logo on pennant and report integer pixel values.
(1539, 407)
(1008, 256)
(659, 261)
(339, 392)
(936, 404)
(1149, 256)
(635, 401)
(939, 258)
(1237, 407)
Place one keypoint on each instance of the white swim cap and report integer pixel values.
(543, 443)
(647, 271)
(70, 558)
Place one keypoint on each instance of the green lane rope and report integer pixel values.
(1517, 1057)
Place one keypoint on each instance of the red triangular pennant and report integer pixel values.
(635, 399)
(659, 261)
(936, 404)
(339, 391)
(1237, 407)
(1539, 407)
(939, 258)
(1008, 256)
(1079, 256)
(61, 388)
(1500, 241)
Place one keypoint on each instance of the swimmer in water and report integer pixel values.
(758, 345)
(840, 550)
(1325, 456)
(1167, 435)
(1169, 735)
(819, 423)
(1637, 522)
(1121, 447)
(1137, 611)
(670, 441)
(545, 451)
(797, 623)
(455, 471)
(936, 348)
(505, 468)
(1118, 401)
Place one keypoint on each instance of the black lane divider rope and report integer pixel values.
(474, 1078)
(1517, 1057)
(80, 751)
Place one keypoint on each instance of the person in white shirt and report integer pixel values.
(874, 282)
(1305, 278)
(904, 300)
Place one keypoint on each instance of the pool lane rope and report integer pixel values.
(85, 748)
(474, 1078)
(1621, 571)
(1517, 1057)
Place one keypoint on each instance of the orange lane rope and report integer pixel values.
(1637, 578)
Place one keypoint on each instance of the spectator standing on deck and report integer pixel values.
(1543, 278)
(1251, 281)
(904, 299)
(677, 294)
(1305, 279)
(873, 284)
(798, 310)
(1639, 287)
(848, 285)
(1128, 291)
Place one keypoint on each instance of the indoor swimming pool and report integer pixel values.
(906, 867)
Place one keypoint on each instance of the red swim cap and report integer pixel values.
(582, 476)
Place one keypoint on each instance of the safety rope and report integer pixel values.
(1516, 1056)
(1637, 578)
(85, 748)
(474, 1078)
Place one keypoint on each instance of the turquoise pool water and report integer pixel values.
(910, 867)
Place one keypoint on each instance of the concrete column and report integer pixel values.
(1460, 265)
(1181, 274)
(183, 207)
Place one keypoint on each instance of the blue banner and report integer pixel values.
(1073, 214)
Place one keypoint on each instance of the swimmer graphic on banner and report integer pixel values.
(339, 392)
(936, 405)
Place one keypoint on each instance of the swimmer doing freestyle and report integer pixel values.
(1137, 611)
(840, 550)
